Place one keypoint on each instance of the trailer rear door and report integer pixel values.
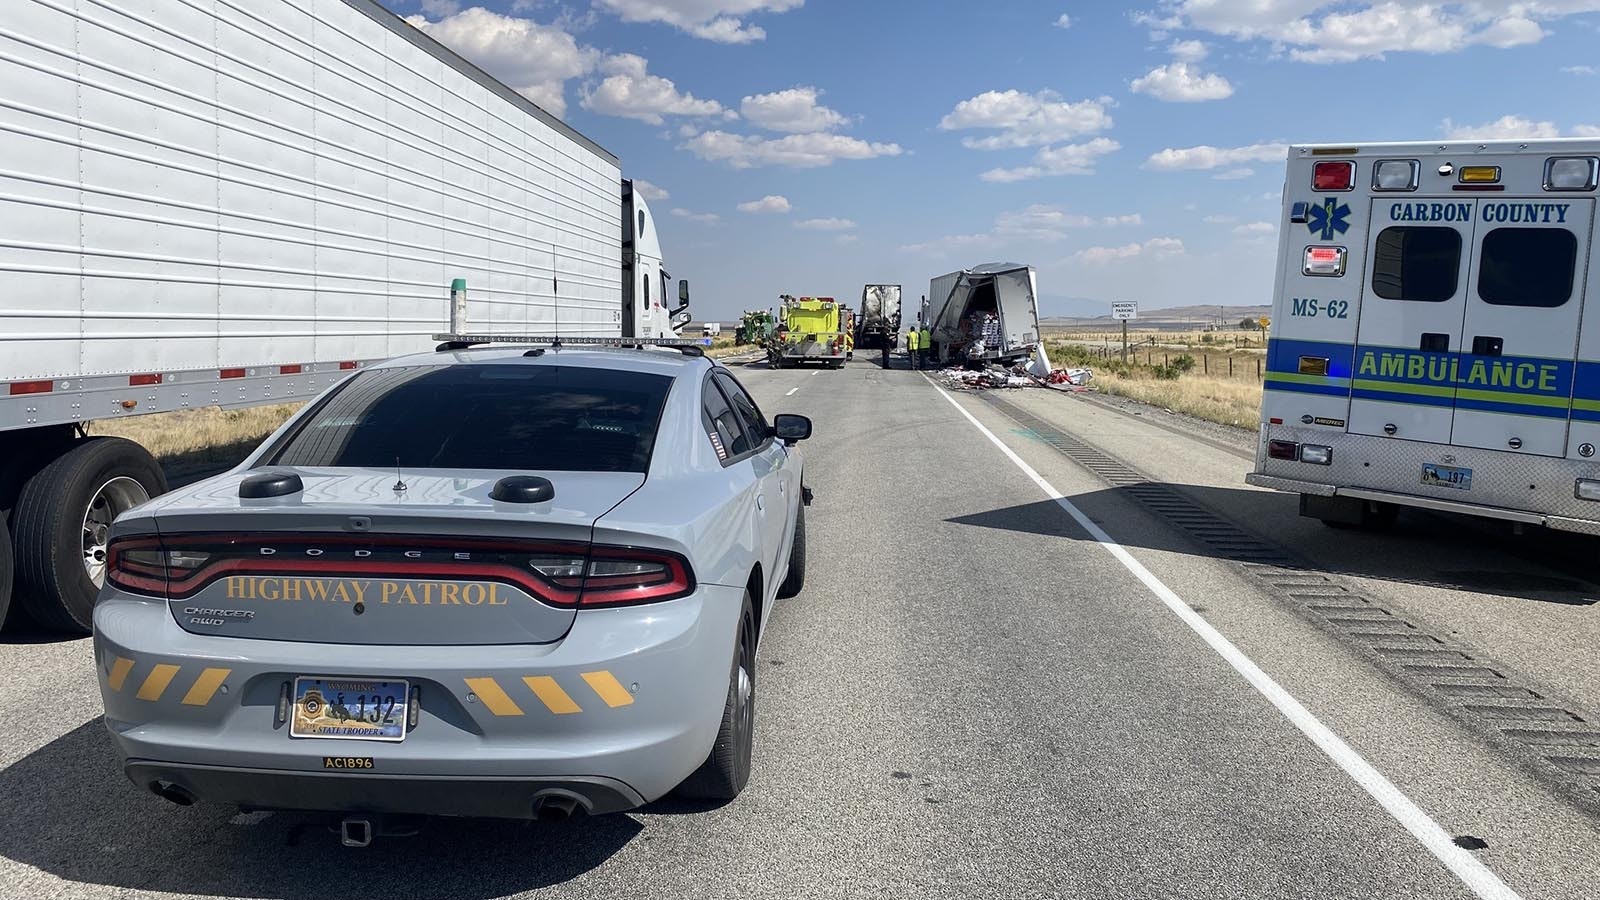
(1519, 341)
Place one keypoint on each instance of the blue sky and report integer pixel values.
(1128, 152)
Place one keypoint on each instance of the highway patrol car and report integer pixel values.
(501, 582)
(1431, 341)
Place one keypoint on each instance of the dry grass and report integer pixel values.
(209, 435)
(1226, 401)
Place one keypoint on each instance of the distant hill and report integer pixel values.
(1101, 312)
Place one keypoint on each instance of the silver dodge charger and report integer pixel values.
(487, 581)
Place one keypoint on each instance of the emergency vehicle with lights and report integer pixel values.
(1436, 333)
(240, 207)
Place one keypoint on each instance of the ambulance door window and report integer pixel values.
(1528, 267)
(1416, 264)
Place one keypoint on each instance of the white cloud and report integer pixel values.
(1234, 174)
(1179, 82)
(1255, 229)
(1188, 51)
(1580, 70)
(1129, 219)
(630, 92)
(799, 151)
(1063, 21)
(1025, 120)
(771, 203)
(794, 110)
(649, 191)
(1331, 31)
(1067, 159)
(1588, 131)
(846, 239)
(697, 218)
(714, 20)
(1510, 127)
(827, 224)
(1219, 219)
(943, 245)
(1154, 248)
(1208, 157)
(1039, 222)
(536, 60)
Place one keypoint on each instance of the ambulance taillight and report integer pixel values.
(1571, 173)
(1333, 176)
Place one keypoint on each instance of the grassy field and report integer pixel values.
(207, 437)
(1215, 376)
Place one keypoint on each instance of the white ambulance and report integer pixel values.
(1431, 346)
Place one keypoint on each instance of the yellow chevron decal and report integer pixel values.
(493, 696)
(155, 684)
(205, 687)
(551, 695)
(120, 668)
(610, 690)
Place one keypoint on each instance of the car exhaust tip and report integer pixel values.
(175, 793)
(558, 806)
(355, 831)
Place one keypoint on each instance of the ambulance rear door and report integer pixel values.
(1519, 345)
(1413, 302)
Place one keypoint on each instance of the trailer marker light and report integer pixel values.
(347, 364)
(1325, 262)
(1313, 365)
(1587, 489)
(32, 387)
(1316, 454)
(289, 370)
(141, 380)
(1396, 174)
(1333, 176)
(1479, 175)
(1274, 421)
(231, 373)
(1571, 173)
(1283, 450)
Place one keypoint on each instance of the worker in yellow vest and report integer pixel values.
(925, 344)
(911, 345)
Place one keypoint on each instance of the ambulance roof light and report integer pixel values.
(1571, 173)
(1479, 175)
(1333, 176)
(1396, 174)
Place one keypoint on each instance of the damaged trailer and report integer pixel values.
(988, 313)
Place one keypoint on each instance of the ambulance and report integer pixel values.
(1431, 345)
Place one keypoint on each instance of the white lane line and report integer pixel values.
(791, 392)
(1474, 874)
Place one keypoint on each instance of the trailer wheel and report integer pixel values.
(61, 522)
(5, 571)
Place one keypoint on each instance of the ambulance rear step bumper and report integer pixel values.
(1560, 523)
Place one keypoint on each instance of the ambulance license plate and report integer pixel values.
(1435, 475)
(350, 709)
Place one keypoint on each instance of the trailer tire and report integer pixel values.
(6, 562)
(60, 524)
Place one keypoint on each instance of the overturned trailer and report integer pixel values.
(987, 313)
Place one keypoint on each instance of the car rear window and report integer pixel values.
(522, 417)
(1421, 264)
(1528, 267)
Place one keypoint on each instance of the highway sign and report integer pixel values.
(1124, 309)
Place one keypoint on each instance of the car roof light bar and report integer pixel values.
(451, 342)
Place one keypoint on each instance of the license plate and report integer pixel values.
(350, 709)
(1435, 475)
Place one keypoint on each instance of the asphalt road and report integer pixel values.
(974, 697)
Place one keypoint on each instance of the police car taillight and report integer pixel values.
(1396, 174)
(1333, 176)
(625, 576)
(140, 565)
(1571, 173)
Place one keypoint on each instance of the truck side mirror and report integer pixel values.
(683, 290)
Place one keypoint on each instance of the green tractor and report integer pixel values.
(756, 326)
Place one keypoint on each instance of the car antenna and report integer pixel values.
(399, 482)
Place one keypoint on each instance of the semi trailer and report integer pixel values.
(234, 204)
(988, 313)
(878, 324)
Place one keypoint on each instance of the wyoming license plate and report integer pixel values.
(1435, 475)
(349, 709)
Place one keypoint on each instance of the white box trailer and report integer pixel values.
(1432, 340)
(959, 301)
(236, 202)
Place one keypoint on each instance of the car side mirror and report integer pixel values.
(683, 290)
(789, 428)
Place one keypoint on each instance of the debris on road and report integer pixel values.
(1074, 379)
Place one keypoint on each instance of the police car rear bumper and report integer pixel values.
(269, 789)
(627, 705)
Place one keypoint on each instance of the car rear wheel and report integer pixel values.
(794, 580)
(63, 516)
(727, 769)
